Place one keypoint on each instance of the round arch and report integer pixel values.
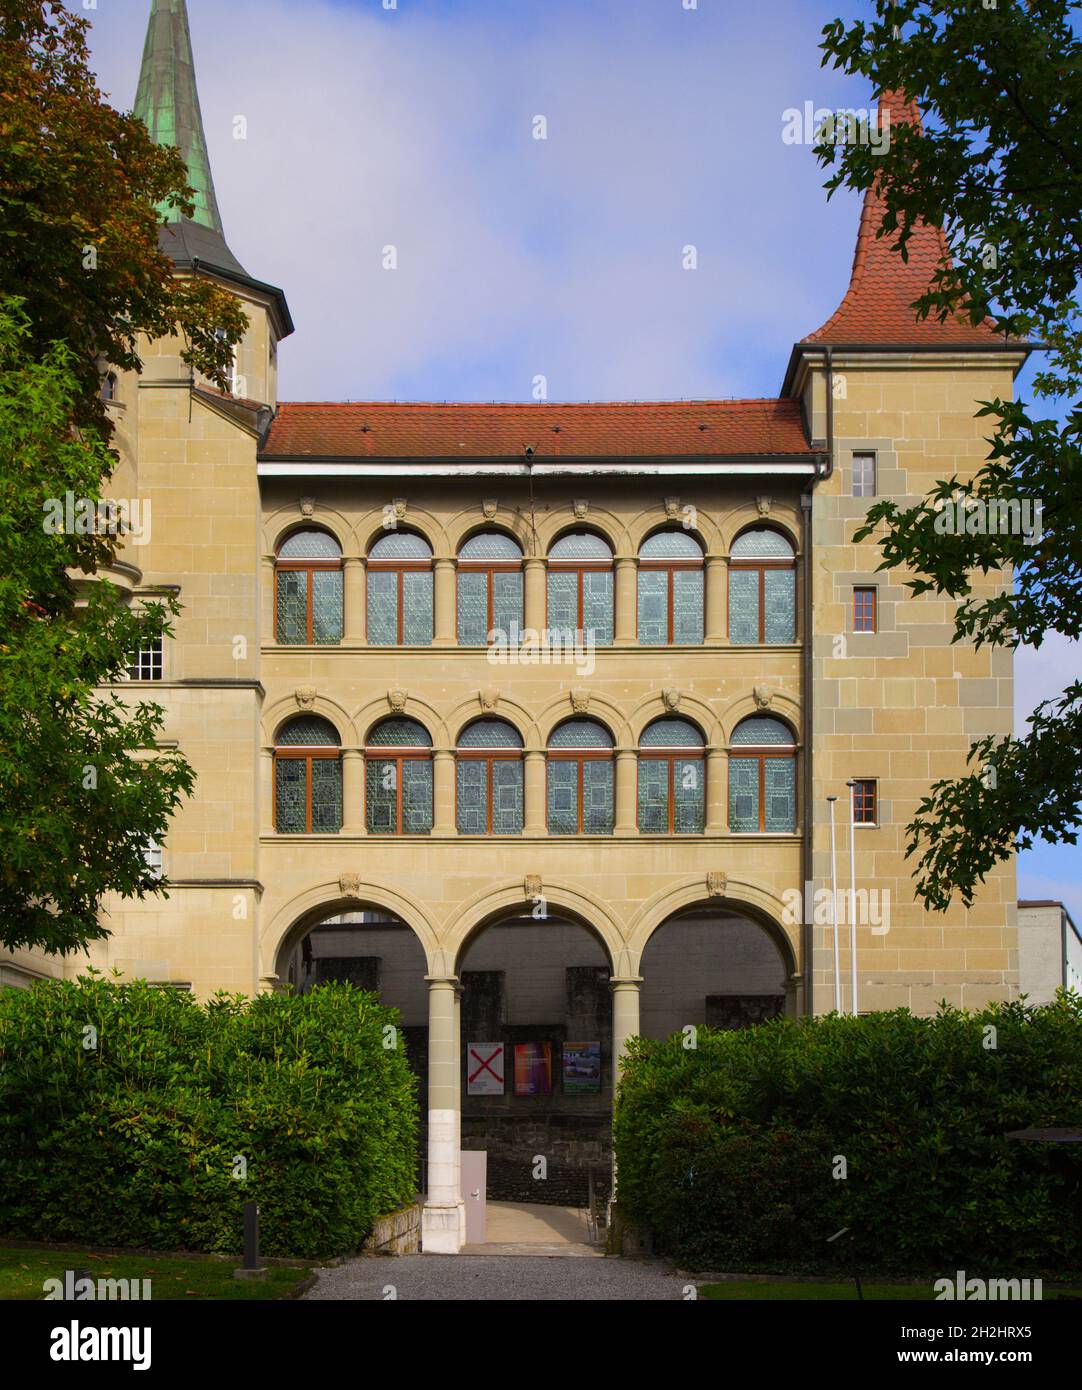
(648, 521)
(468, 711)
(781, 706)
(463, 525)
(691, 708)
(372, 526)
(599, 708)
(749, 518)
(599, 520)
(296, 918)
(287, 708)
(280, 525)
(742, 897)
(373, 711)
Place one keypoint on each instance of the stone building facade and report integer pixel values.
(382, 734)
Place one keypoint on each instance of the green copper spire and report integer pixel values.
(168, 103)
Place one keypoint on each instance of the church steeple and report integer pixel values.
(167, 102)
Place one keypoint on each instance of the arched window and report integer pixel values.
(400, 591)
(580, 779)
(762, 777)
(308, 589)
(108, 387)
(307, 777)
(489, 589)
(670, 590)
(672, 779)
(488, 779)
(580, 589)
(762, 588)
(398, 778)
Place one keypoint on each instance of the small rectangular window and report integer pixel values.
(864, 610)
(152, 857)
(865, 801)
(863, 475)
(147, 663)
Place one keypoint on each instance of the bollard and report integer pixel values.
(251, 1269)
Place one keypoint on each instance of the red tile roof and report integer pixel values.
(586, 430)
(877, 308)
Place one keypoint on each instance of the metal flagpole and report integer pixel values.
(834, 910)
(853, 892)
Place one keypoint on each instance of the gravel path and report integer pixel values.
(498, 1278)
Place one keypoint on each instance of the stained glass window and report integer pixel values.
(489, 588)
(563, 797)
(671, 788)
(489, 779)
(762, 588)
(779, 794)
(744, 795)
(597, 796)
(307, 785)
(580, 589)
(581, 733)
(580, 545)
(490, 545)
(399, 733)
(398, 787)
(762, 732)
(326, 794)
(490, 733)
(400, 591)
(580, 779)
(308, 731)
(654, 796)
(471, 778)
(670, 590)
(291, 795)
(472, 608)
(308, 589)
(671, 733)
(507, 800)
(762, 786)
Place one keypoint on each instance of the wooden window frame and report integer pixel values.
(860, 610)
(579, 755)
(761, 753)
(400, 568)
(397, 754)
(859, 784)
(490, 756)
(487, 568)
(695, 753)
(761, 566)
(329, 752)
(309, 566)
(579, 568)
(671, 566)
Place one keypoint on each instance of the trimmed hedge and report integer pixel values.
(133, 1142)
(727, 1152)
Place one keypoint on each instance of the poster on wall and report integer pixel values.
(484, 1069)
(582, 1068)
(533, 1069)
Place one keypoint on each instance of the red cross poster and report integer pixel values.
(484, 1069)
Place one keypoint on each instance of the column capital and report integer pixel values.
(624, 982)
(442, 981)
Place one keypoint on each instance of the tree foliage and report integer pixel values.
(999, 165)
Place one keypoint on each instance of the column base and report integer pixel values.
(443, 1229)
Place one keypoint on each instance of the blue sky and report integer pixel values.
(413, 127)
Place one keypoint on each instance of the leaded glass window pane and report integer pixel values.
(326, 794)
(653, 607)
(654, 795)
(490, 733)
(401, 545)
(779, 617)
(671, 733)
(490, 545)
(581, 733)
(563, 610)
(597, 798)
(689, 785)
(471, 775)
(506, 603)
(399, 733)
(308, 731)
(762, 544)
(743, 606)
(290, 796)
(580, 545)
(671, 545)
(417, 608)
(326, 606)
(760, 733)
(597, 606)
(416, 796)
(687, 603)
(779, 787)
(382, 608)
(292, 606)
(506, 796)
(381, 797)
(472, 608)
(310, 545)
(743, 794)
(563, 796)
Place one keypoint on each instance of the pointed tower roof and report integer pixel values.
(167, 101)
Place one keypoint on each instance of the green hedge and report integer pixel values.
(133, 1142)
(727, 1151)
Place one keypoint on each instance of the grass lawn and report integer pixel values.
(23, 1273)
(741, 1290)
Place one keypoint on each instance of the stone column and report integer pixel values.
(354, 622)
(266, 799)
(793, 986)
(533, 791)
(444, 1212)
(625, 1024)
(627, 822)
(443, 792)
(443, 585)
(266, 600)
(626, 625)
(717, 791)
(534, 596)
(716, 586)
(353, 822)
